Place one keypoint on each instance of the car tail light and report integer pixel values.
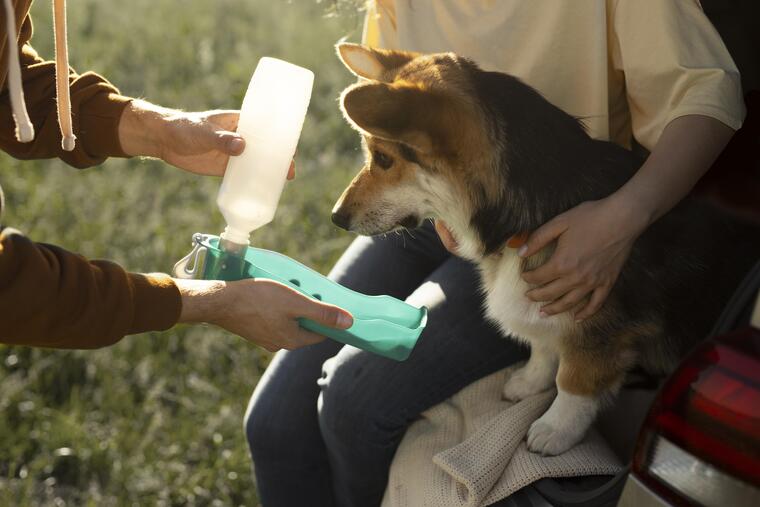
(700, 442)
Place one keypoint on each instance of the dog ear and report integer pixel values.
(399, 113)
(374, 64)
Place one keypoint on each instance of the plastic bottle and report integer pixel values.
(270, 121)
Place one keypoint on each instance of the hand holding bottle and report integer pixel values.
(197, 142)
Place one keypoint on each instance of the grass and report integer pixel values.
(157, 418)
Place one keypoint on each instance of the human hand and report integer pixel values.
(262, 311)
(449, 242)
(199, 143)
(594, 240)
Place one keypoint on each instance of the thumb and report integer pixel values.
(229, 143)
(326, 315)
(542, 236)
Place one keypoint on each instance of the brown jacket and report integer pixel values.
(48, 296)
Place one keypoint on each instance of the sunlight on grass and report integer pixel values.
(157, 419)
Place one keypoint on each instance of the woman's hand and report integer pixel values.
(449, 242)
(593, 242)
(200, 143)
(261, 311)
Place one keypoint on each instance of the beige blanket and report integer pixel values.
(470, 451)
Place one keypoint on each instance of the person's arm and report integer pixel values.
(108, 124)
(595, 238)
(50, 297)
(53, 298)
(685, 100)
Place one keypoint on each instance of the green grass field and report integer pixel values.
(157, 419)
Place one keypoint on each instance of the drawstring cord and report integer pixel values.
(62, 75)
(24, 127)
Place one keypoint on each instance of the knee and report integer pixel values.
(350, 407)
(264, 431)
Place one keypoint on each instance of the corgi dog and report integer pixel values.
(491, 157)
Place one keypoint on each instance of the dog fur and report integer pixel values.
(492, 158)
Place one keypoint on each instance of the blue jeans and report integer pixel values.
(324, 421)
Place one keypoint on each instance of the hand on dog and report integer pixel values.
(199, 143)
(593, 242)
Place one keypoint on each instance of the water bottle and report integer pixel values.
(270, 121)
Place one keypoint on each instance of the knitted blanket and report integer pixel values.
(470, 451)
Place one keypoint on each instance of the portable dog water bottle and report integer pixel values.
(270, 121)
(382, 324)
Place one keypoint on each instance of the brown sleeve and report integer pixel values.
(53, 298)
(96, 108)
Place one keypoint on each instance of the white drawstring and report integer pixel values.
(24, 127)
(62, 75)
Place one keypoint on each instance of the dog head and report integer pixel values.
(444, 139)
(425, 140)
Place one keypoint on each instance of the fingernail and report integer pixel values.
(543, 314)
(345, 321)
(522, 251)
(578, 321)
(236, 145)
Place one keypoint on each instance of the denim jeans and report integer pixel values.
(324, 421)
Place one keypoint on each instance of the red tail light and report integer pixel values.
(701, 440)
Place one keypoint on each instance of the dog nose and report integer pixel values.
(341, 219)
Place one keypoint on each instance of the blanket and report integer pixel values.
(470, 451)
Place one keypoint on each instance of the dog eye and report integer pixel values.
(382, 159)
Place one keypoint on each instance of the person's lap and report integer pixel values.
(332, 442)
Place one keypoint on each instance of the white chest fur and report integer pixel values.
(510, 308)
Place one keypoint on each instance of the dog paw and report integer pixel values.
(545, 439)
(523, 383)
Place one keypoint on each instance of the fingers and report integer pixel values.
(226, 119)
(597, 298)
(222, 125)
(566, 302)
(292, 170)
(551, 291)
(229, 143)
(324, 314)
(542, 236)
(269, 347)
(544, 274)
(446, 237)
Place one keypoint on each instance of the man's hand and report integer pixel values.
(200, 142)
(261, 311)
(594, 240)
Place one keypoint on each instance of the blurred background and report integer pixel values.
(157, 419)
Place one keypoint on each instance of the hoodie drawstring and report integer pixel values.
(24, 127)
(62, 75)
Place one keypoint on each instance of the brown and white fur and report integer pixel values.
(490, 156)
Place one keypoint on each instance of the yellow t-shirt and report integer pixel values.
(624, 66)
